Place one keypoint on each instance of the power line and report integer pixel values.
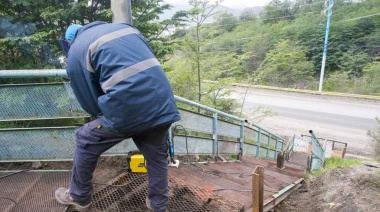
(321, 45)
(361, 17)
(266, 35)
(331, 46)
(245, 38)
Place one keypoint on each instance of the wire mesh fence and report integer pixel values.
(38, 101)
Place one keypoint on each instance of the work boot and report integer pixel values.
(63, 197)
(148, 205)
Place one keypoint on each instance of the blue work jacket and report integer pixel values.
(115, 76)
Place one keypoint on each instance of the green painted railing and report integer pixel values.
(317, 153)
(289, 147)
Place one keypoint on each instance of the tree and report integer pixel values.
(29, 35)
(197, 15)
(375, 136)
(30, 30)
(182, 77)
(371, 78)
(222, 65)
(256, 50)
(145, 15)
(353, 62)
(226, 22)
(218, 96)
(277, 9)
(286, 65)
(248, 14)
(145, 12)
(338, 81)
(184, 83)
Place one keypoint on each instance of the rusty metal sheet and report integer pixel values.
(233, 180)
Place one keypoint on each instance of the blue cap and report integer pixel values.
(71, 31)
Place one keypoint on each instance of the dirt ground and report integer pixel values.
(343, 189)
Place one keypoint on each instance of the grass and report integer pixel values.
(334, 162)
(376, 181)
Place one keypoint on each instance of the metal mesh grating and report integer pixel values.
(128, 193)
(38, 101)
(32, 191)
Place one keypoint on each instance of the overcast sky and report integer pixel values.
(229, 3)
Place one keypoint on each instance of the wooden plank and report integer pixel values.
(258, 189)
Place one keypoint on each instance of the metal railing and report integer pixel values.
(289, 147)
(244, 137)
(338, 148)
(215, 115)
(317, 153)
(272, 143)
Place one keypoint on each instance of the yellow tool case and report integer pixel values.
(136, 162)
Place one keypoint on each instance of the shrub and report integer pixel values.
(375, 135)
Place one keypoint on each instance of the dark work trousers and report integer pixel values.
(93, 140)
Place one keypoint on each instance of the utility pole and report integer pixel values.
(128, 8)
(328, 12)
(121, 11)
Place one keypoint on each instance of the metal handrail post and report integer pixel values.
(258, 143)
(268, 145)
(215, 134)
(282, 144)
(275, 149)
(242, 137)
(293, 139)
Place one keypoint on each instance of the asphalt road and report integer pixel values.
(338, 118)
